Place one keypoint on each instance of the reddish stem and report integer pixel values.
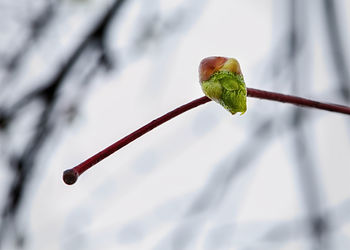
(273, 96)
(70, 176)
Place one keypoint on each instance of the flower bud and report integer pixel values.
(222, 81)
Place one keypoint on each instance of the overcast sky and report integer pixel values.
(207, 179)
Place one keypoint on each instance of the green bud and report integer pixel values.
(225, 84)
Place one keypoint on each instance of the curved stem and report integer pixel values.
(273, 96)
(70, 176)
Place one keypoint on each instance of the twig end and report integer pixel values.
(70, 176)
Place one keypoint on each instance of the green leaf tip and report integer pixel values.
(222, 81)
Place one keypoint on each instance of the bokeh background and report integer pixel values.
(77, 75)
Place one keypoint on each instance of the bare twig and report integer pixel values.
(70, 176)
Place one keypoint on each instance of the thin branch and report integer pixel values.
(273, 96)
(70, 176)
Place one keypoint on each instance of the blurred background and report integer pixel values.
(77, 75)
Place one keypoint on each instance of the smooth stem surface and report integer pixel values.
(70, 176)
(273, 96)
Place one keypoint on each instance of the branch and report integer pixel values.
(273, 96)
(70, 176)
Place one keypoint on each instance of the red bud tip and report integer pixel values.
(209, 66)
(70, 176)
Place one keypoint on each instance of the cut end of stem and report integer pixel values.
(70, 176)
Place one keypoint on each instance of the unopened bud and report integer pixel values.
(222, 81)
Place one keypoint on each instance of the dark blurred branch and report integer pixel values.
(335, 39)
(305, 165)
(37, 26)
(23, 164)
(214, 192)
(96, 36)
